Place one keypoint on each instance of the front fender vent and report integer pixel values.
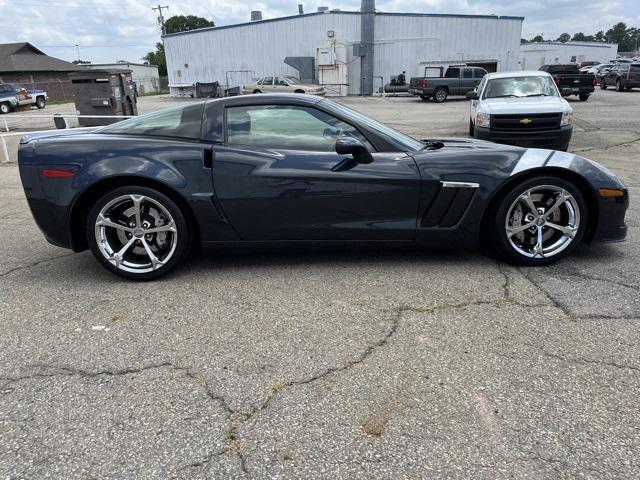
(449, 204)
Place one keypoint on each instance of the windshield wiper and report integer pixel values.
(431, 144)
(537, 95)
(505, 96)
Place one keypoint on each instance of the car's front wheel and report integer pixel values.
(138, 233)
(603, 84)
(539, 221)
(257, 91)
(619, 86)
(584, 97)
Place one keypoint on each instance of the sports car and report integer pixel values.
(287, 169)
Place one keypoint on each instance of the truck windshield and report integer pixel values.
(536, 86)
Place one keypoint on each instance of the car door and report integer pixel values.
(612, 74)
(267, 85)
(281, 85)
(467, 82)
(453, 75)
(277, 177)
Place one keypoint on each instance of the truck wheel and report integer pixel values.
(40, 102)
(619, 86)
(603, 84)
(425, 97)
(5, 107)
(471, 128)
(440, 95)
(584, 97)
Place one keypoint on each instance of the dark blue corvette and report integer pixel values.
(295, 168)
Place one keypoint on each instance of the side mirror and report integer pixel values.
(473, 95)
(353, 146)
(565, 92)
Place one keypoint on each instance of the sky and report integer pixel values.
(111, 30)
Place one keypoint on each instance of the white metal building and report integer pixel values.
(534, 55)
(235, 54)
(145, 76)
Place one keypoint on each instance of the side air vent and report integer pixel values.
(449, 204)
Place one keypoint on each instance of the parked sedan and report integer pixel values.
(282, 84)
(293, 169)
(622, 76)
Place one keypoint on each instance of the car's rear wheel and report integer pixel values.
(603, 84)
(5, 108)
(138, 233)
(539, 221)
(619, 86)
(299, 91)
(41, 102)
(440, 95)
(257, 91)
(584, 97)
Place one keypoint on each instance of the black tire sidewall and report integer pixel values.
(471, 128)
(41, 103)
(435, 95)
(499, 240)
(184, 233)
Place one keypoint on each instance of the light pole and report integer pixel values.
(78, 48)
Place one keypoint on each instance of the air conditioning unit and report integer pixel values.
(326, 56)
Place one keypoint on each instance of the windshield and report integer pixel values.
(406, 143)
(537, 86)
(293, 80)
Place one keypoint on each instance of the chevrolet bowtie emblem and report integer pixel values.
(525, 121)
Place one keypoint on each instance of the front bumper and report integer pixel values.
(557, 138)
(611, 226)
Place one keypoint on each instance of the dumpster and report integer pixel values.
(103, 92)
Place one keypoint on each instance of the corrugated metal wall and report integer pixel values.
(534, 55)
(402, 41)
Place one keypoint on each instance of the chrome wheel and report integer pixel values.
(542, 222)
(136, 234)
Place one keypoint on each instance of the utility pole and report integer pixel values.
(78, 48)
(159, 8)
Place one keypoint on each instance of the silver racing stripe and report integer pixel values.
(536, 158)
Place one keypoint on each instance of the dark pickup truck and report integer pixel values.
(569, 77)
(455, 81)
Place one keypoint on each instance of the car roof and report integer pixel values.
(270, 98)
(524, 73)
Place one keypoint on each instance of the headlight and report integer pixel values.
(483, 119)
(567, 119)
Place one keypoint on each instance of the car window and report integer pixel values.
(520, 87)
(182, 122)
(259, 82)
(267, 81)
(279, 81)
(479, 72)
(452, 73)
(287, 127)
(467, 73)
(481, 84)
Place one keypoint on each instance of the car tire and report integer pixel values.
(299, 91)
(584, 97)
(41, 102)
(125, 249)
(619, 87)
(257, 91)
(5, 108)
(521, 246)
(440, 95)
(471, 128)
(603, 84)
(425, 97)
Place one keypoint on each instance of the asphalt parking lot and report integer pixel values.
(374, 364)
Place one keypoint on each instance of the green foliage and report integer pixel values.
(564, 37)
(537, 38)
(627, 38)
(182, 23)
(157, 58)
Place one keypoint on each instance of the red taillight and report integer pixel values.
(595, 81)
(425, 83)
(556, 78)
(56, 173)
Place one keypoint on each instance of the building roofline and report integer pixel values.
(341, 12)
(584, 44)
(120, 63)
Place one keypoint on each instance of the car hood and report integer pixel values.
(524, 105)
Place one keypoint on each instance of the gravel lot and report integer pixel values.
(329, 365)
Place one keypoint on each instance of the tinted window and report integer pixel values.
(4, 89)
(467, 73)
(479, 72)
(452, 73)
(287, 127)
(182, 122)
(280, 81)
(267, 81)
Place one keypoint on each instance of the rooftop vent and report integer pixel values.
(323, 9)
(300, 9)
(256, 15)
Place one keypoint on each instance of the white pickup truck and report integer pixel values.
(8, 99)
(521, 108)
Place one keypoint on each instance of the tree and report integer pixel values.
(157, 58)
(623, 36)
(599, 37)
(564, 38)
(581, 37)
(81, 62)
(182, 23)
(537, 38)
(524, 40)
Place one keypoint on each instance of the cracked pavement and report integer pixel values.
(344, 364)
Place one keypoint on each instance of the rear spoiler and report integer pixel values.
(30, 136)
